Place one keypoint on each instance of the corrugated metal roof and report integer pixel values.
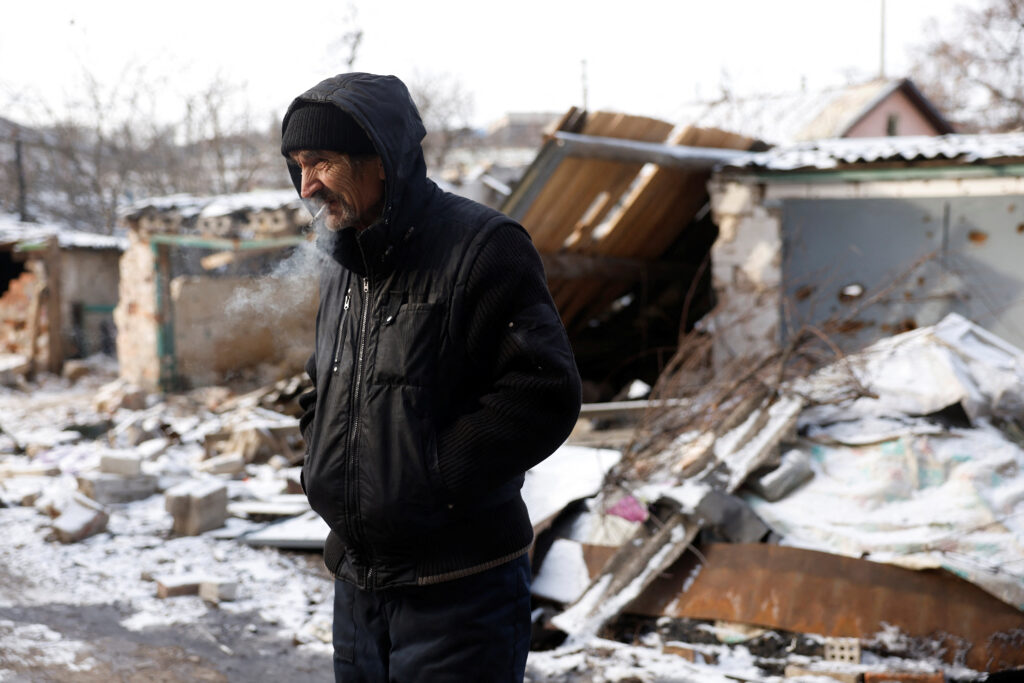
(831, 154)
(13, 231)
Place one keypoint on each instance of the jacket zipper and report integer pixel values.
(341, 326)
(355, 525)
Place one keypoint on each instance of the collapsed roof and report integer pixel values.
(611, 202)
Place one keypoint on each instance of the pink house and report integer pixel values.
(878, 108)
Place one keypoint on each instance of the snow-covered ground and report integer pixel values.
(89, 611)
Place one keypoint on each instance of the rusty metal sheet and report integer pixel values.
(813, 592)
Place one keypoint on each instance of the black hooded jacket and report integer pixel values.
(442, 371)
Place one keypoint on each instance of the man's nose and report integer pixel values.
(310, 184)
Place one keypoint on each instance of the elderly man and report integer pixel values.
(442, 373)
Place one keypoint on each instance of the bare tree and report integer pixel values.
(347, 44)
(115, 143)
(975, 72)
(445, 106)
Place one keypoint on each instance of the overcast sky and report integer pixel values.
(643, 56)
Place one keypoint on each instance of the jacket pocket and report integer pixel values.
(408, 341)
(400, 499)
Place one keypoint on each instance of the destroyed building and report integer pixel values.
(863, 238)
(216, 289)
(617, 207)
(58, 288)
(853, 513)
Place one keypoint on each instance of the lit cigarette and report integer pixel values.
(319, 213)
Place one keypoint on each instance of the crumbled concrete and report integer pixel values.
(126, 464)
(217, 590)
(80, 519)
(197, 506)
(114, 488)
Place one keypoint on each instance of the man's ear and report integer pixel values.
(380, 169)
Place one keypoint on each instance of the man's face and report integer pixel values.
(350, 188)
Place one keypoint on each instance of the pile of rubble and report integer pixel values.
(744, 533)
(774, 501)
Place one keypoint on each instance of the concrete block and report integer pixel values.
(197, 506)
(179, 584)
(842, 650)
(125, 464)
(111, 489)
(891, 677)
(80, 519)
(794, 671)
(229, 463)
(218, 590)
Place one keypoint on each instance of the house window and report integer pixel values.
(892, 124)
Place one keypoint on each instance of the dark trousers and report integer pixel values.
(476, 628)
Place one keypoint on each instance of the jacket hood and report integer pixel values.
(385, 110)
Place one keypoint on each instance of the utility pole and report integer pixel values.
(19, 165)
(583, 81)
(881, 56)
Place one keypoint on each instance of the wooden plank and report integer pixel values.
(571, 190)
(612, 178)
(55, 336)
(648, 222)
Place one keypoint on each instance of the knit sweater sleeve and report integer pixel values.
(307, 401)
(529, 397)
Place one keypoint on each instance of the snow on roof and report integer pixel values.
(190, 206)
(830, 154)
(788, 117)
(251, 201)
(13, 230)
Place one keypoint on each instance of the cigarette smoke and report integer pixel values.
(289, 287)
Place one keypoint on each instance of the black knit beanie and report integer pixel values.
(318, 125)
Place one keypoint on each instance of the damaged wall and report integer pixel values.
(30, 304)
(197, 330)
(16, 309)
(746, 267)
(215, 340)
(862, 258)
(136, 314)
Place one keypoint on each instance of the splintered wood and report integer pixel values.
(619, 209)
(750, 438)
